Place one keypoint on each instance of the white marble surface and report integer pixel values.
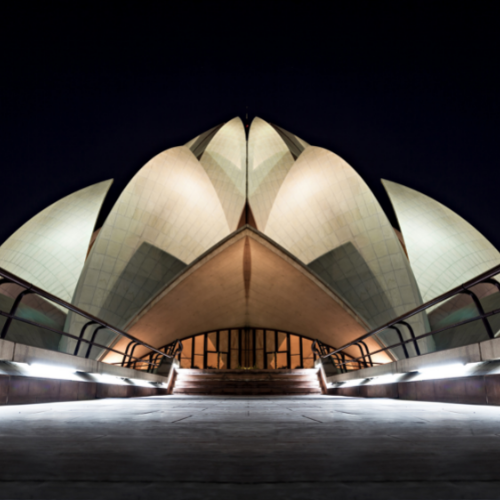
(323, 204)
(269, 161)
(169, 204)
(444, 249)
(49, 250)
(297, 448)
(224, 161)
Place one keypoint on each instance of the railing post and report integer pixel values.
(126, 352)
(168, 349)
(405, 350)
(129, 364)
(367, 352)
(314, 348)
(82, 332)
(92, 340)
(342, 357)
(412, 333)
(155, 360)
(150, 363)
(480, 310)
(12, 312)
(340, 367)
(178, 350)
(493, 282)
(363, 355)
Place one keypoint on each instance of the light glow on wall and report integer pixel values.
(51, 371)
(444, 371)
(386, 379)
(450, 370)
(109, 379)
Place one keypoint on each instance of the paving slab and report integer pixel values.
(255, 447)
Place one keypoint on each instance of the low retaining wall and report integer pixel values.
(480, 384)
(16, 390)
(18, 386)
(20, 353)
(479, 390)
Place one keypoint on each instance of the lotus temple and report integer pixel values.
(246, 243)
(247, 323)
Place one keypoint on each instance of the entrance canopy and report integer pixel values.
(247, 280)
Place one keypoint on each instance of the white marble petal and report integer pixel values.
(50, 249)
(224, 160)
(269, 161)
(444, 249)
(171, 206)
(323, 206)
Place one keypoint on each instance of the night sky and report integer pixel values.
(404, 91)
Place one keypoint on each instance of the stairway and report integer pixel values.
(246, 382)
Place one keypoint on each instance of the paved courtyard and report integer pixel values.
(256, 448)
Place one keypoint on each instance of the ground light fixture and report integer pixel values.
(450, 370)
(47, 370)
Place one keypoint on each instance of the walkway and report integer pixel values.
(250, 448)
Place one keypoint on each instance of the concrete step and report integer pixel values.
(262, 378)
(246, 382)
(195, 371)
(246, 391)
(211, 385)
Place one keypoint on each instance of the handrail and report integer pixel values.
(171, 347)
(463, 288)
(176, 349)
(34, 323)
(460, 323)
(242, 328)
(10, 278)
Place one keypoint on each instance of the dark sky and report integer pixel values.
(407, 91)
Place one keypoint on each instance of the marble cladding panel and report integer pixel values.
(269, 161)
(30, 334)
(294, 145)
(444, 249)
(54, 314)
(170, 204)
(323, 205)
(190, 143)
(24, 333)
(145, 274)
(50, 249)
(302, 142)
(224, 160)
(199, 144)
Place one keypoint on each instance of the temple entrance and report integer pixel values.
(245, 348)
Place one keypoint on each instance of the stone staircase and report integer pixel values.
(247, 382)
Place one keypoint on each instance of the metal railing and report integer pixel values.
(365, 359)
(154, 358)
(340, 360)
(242, 348)
(172, 350)
(128, 359)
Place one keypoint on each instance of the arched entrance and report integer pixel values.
(247, 347)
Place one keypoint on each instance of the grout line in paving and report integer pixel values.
(184, 418)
